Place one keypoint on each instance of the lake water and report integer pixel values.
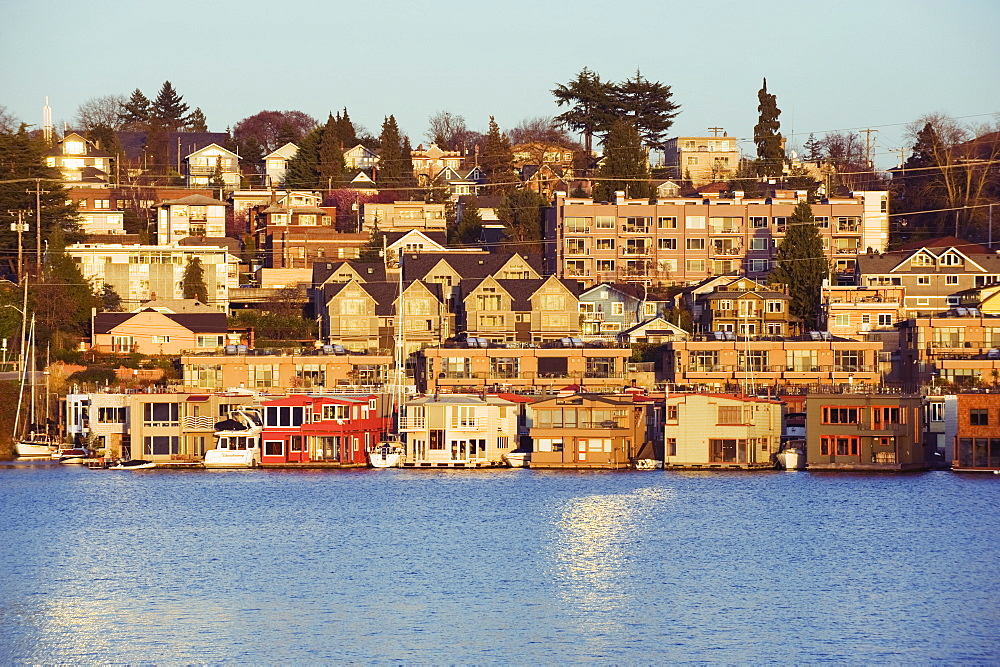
(498, 566)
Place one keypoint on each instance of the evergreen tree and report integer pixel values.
(218, 183)
(62, 298)
(169, 107)
(590, 103)
(470, 228)
(287, 134)
(813, 149)
(497, 161)
(406, 159)
(770, 155)
(522, 212)
(136, 112)
(802, 265)
(196, 121)
(111, 302)
(625, 165)
(648, 105)
(193, 282)
(390, 160)
(303, 168)
(746, 180)
(331, 155)
(346, 132)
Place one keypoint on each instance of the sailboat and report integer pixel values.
(389, 453)
(35, 444)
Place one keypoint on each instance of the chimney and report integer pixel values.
(619, 197)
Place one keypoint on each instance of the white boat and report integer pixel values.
(386, 454)
(517, 459)
(37, 446)
(648, 464)
(792, 458)
(237, 441)
(74, 456)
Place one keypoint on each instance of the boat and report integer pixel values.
(386, 454)
(237, 440)
(517, 459)
(36, 446)
(75, 455)
(648, 464)
(792, 458)
(134, 464)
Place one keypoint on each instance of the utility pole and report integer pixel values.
(715, 131)
(20, 227)
(38, 192)
(868, 147)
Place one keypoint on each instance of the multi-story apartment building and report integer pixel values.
(472, 369)
(854, 312)
(748, 308)
(960, 346)
(702, 160)
(139, 273)
(194, 215)
(855, 431)
(683, 241)
(458, 431)
(275, 373)
(745, 431)
(403, 216)
(934, 273)
(722, 359)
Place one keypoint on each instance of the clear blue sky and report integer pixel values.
(833, 66)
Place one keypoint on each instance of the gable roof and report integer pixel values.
(384, 294)
(468, 265)
(945, 242)
(366, 271)
(218, 147)
(439, 239)
(193, 200)
(194, 322)
(287, 151)
(520, 290)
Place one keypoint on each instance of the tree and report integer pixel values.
(770, 154)
(406, 160)
(447, 130)
(196, 121)
(169, 107)
(470, 228)
(136, 112)
(802, 265)
(7, 121)
(390, 160)
(522, 213)
(625, 165)
(266, 128)
(303, 167)
(111, 302)
(648, 104)
(61, 297)
(332, 168)
(193, 282)
(497, 160)
(543, 130)
(218, 183)
(746, 180)
(590, 103)
(813, 149)
(102, 111)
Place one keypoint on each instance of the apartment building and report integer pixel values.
(402, 216)
(702, 160)
(686, 240)
(275, 372)
(960, 346)
(748, 308)
(855, 312)
(194, 215)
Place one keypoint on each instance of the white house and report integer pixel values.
(459, 430)
(276, 163)
(202, 163)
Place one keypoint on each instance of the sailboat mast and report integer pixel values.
(34, 362)
(400, 348)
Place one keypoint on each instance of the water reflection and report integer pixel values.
(595, 553)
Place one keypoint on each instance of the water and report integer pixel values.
(499, 566)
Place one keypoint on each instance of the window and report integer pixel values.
(310, 375)
(759, 265)
(102, 203)
(336, 412)
(209, 341)
(774, 306)
(950, 259)
(672, 413)
(575, 267)
(605, 265)
(822, 221)
(758, 244)
(111, 415)
(667, 244)
(725, 304)
(489, 302)
(577, 225)
(951, 280)
(695, 266)
(839, 445)
(605, 222)
(695, 222)
(758, 222)
(754, 361)
(161, 445)
(263, 375)
(936, 411)
(636, 224)
(704, 360)
(671, 447)
(922, 259)
(667, 222)
(780, 222)
(923, 280)
(160, 414)
(159, 340)
(727, 450)
(274, 448)
(848, 361)
(842, 320)
(802, 360)
(692, 161)
(575, 247)
(979, 417)
(833, 415)
(284, 415)
(605, 244)
(885, 320)
(696, 244)
(889, 415)
(617, 308)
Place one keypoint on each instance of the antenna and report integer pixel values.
(47, 121)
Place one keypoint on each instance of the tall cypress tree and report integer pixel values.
(348, 135)
(497, 161)
(390, 160)
(625, 165)
(802, 265)
(770, 156)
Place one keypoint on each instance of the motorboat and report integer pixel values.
(36, 445)
(386, 454)
(792, 457)
(237, 440)
(74, 455)
(134, 464)
(517, 459)
(648, 464)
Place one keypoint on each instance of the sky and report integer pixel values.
(845, 65)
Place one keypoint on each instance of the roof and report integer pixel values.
(440, 238)
(177, 306)
(467, 265)
(193, 322)
(367, 271)
(384, 294)
(967, 247)
(460, 399)
(193, 200)
(521, 290)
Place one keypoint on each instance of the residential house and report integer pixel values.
(360, 157)
(99, 419)
(429, 162)
(860, 431)
(276, 164)
(139, 273)
(654, 331)
(203, 164)
(933, 274)
(80, 161)
(587, 431)
(459, 182)
(545, 179)
(683, 241)
(960, 347)
(748, 308)
(402, 216)
(294, 231)
(327, 429)
(194, 215)
(721, 431)
(855, 312)
(330, 369)
(469, 367)
(151, 332)
(977, 440)
(521, 311)
(458, 431)
(418, 241)
(702, 160)
(363, 185)
(539, 153)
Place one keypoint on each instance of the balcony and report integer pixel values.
(726, 252)
(455, 375)
(412, 423)
(848, 228)
(635, 229)
(632, 251)
(200, 423)
(847, 251)
(603, 374)
(467, 424)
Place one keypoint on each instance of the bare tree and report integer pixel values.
(104, 111)
(7, 121)
(447, 130)
(542, 129)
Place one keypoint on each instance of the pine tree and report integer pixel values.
(390, 160)
(497, 161)
(406, 160)
(522, 212)
(346, 131)
(625, 165)
(802, 265)
(470, 228)
(647, 104)
(169, 107)
(218, 182)
(770, 155)
(590, 105)
(331, 155)
(136, 111)
(813, 149)
(303, 168)
(193, 282)
(196, 121)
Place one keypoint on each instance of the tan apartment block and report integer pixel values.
(702, 160)
(461, 369)
(960, 346)
(279, 372)
(720, 431)
(685, 240)
(854, 312)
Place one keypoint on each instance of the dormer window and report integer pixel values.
(922, 260)
(950, 259)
